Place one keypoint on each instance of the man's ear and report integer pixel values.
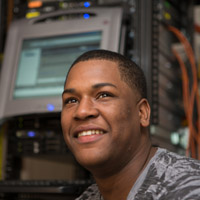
(144, 112)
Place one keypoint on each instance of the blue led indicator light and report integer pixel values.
(31, 134)
(50, 107)
(87, 4)
(86, 16)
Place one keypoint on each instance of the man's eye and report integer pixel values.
(70, 100)
(104, 95)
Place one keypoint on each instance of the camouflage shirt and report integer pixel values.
(167, 176)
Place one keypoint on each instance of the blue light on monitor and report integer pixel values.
(86, 16)
(86, 4)
(31, 134)
(50, 107)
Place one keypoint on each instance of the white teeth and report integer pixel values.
(90, 132)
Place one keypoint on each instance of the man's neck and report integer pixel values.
(118, 186)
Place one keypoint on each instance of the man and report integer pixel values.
(105, 119)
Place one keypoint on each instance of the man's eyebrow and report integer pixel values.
(95, 86)
(70, 90)
(98, 85)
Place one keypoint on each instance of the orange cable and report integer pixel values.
(197, 28)
(194, 93)
(185, 87)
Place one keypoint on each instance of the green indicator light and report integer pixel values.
(175, 138)
(167, 4)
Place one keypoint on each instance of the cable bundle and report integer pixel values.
(189, 97)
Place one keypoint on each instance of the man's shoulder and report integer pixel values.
(172, 167)
(91, 193)
(171, 176)
(177, 163)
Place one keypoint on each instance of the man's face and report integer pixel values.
(101, 116)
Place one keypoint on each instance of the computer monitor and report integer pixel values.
(39, 52)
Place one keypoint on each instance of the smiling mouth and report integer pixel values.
(90, 132)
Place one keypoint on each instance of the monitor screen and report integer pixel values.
(44, 62)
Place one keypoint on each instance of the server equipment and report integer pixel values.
(33, 74)
(171, 117)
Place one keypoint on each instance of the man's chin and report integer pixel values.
(91, 163)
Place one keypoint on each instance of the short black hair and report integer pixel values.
(130, 72)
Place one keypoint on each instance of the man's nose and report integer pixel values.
(86, 109)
